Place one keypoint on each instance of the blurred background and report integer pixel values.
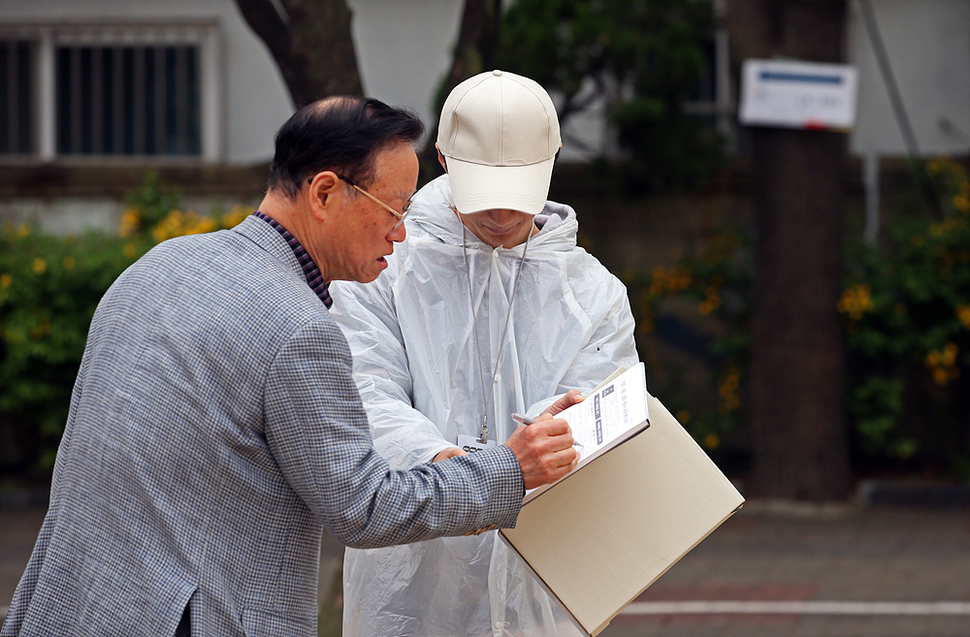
(802, 290)
(802, 294)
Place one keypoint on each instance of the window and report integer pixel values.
(17, 99)
(127, 100)
(92, 91)
(711, 99)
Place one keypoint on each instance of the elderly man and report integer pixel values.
(215, 430)
(488, 308)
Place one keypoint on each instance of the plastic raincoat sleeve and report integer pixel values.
(402, 434)
(610, 345)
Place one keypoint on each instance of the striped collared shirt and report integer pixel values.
(310, 270)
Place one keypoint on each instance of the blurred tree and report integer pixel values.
(311, 42)
(797, 411)
(474, 53)
(640, 59)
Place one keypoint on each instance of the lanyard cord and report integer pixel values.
(483, 432)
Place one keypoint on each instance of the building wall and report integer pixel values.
(928, 46)
(252, 100)
(404, 49)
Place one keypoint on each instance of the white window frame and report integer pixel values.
(722, 107)
(48, 37)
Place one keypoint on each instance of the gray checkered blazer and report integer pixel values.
(214, 433)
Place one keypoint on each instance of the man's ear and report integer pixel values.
(320, 193)
(441, 158)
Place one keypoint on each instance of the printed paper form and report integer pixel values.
(613, 412)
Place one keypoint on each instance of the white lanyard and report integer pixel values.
(486, 395)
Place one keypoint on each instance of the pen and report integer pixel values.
(525, 420)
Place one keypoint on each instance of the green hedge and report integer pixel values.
(906, 307)
(906, 310)
(49, 289)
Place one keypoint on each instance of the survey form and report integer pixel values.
(612, 413)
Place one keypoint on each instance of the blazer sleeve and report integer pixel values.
(317, 430)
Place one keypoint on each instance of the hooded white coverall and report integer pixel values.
(421, 372)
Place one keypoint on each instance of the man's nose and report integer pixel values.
(397, 234)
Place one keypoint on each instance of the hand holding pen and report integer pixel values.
(544, 451)
(525, 420)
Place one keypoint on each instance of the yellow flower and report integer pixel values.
(711, 302)
(235, 216)
(200, 225)
(645, 325)
(963, 313)
(40, 266)
(130, 222)
(23, 230)
(728, 391)
(937, 166)
(670, 281)
(5, 280)
(129, 250)
(945, 227)
(942, 363)
(712, 441)
(177, 223)
(69, 262)
(962, 203)
(856, 301)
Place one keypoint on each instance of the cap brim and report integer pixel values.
(522, 188)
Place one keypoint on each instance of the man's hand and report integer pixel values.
(571, 398)
(544, 450)
(449, 452)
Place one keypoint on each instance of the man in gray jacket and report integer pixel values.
(215, 430)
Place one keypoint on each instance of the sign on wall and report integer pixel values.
(789, 94)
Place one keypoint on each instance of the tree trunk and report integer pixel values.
(798, 423)
(312, 44)
(474, 53)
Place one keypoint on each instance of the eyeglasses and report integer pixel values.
(398, 215)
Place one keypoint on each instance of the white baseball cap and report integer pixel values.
(499, 133)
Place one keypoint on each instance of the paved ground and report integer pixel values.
(773, 570)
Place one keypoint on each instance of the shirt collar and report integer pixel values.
(310, 270)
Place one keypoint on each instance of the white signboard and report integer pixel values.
(791, 94)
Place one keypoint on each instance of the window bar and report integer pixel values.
(182, 98)
(97, 101)
(25, 115)
(74, 145)
(139, 101)
(12, 98)
(118, 100)
(161, 117)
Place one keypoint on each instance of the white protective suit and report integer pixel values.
(416, 363)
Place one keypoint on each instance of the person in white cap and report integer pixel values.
(487, 308)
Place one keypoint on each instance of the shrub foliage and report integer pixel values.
(49, 289)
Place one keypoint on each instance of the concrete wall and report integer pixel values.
(252, 102)
(404, 48)
(928, 46)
